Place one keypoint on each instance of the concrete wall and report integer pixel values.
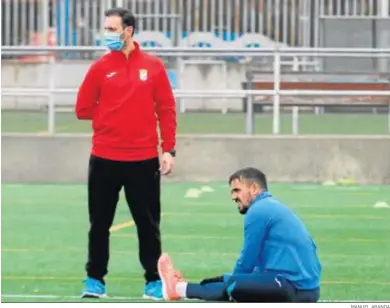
(69, 74)
(284, 159)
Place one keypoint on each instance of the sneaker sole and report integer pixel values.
(93, 295)
(152, 297)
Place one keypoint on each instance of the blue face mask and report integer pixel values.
(113, 41)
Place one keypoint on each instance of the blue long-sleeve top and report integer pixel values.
(276, 240)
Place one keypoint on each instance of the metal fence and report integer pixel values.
(79, 22)
(276, 92)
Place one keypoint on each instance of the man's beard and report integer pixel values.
(243, 210)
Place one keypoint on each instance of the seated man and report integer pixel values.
(278, 261)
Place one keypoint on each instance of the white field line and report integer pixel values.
(52, 296)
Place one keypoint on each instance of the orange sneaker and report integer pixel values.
(169, 277)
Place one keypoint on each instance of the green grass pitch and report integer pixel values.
(212, 123)
(44, 237)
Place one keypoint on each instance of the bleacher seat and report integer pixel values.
(254, 40)
(202, 39)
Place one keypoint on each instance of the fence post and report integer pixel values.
(250, 115)
(295, 120)
(384, 36)
(51, 103)
(276, 105)
(384, 8)
(179, 62)
(388, 120)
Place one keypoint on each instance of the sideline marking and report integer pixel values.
(179, 253)
(108, 298)
(191, 279)
(308, 216)
(52, 296)
(209, 237)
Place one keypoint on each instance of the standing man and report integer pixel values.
(278, 260)
(126, 94)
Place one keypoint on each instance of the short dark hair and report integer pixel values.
(250, 174)
(128, 19)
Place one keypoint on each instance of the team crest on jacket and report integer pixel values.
(143, 74)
